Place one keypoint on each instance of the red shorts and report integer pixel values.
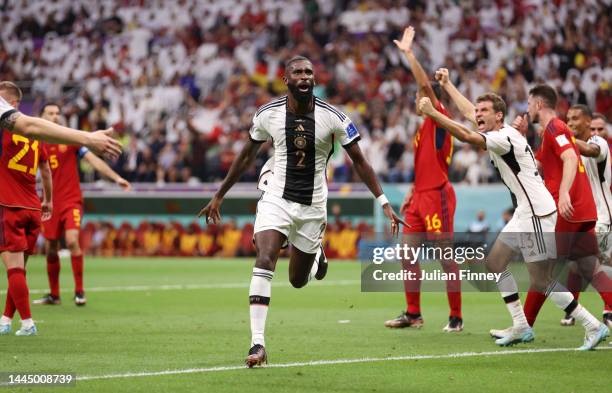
(19, 229)
(576, 239)
(63, 218)
(431, 211)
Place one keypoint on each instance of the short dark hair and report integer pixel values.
(601, 116)
(499, 105)
(546, 93)
(294, 59)
(46, 104)
(12, 89)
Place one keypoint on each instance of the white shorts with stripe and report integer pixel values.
(534, 237)
(303, 225)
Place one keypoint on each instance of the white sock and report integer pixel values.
(590, 323)
(559, 295)
(509, 291)
(259, 300)
(27, 323)
(4, 320)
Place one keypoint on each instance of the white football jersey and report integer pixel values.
(599, 173)
(512, 157)
(302, 147)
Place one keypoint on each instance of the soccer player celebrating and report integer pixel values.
(20, 214)
(565, 178)
(66, 218)
(596, 160)
(535, 212)
(294, 206)
(430, 209)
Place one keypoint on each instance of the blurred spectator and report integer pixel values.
(181, 80)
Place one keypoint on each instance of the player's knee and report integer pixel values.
(265, 261)
(297, 281)
(73, 245)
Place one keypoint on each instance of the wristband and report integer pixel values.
(382, 200)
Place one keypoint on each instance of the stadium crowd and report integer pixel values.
(180, 80)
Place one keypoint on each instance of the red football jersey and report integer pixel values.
(19, 158)
(433, 149)
(64, 161)
(556, 139)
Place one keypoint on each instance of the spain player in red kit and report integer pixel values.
(567, 181)
(20, 212)
(430, 209)
(66, 218)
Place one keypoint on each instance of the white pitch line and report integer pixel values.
(172, 287)
(331, 362)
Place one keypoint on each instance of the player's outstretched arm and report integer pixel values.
(467, 109)
(101, 142)
(456, 129)
(102, 167)
(588, 149)
(570, 166)
(47, 184)
(405, 45)
(239, 166)
(367, 175)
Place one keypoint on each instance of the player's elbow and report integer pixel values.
(27, 126)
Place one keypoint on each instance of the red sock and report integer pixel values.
(533, 304)
(9, 307)
(574, 284)
(413, 289)
(453, 289)
(603, 284)
(18, 289)
(77, 272)
(53, 273)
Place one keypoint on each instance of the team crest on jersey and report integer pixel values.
(299, 142)
(63, 148)
(351, 130)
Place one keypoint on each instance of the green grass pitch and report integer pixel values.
(152, 315)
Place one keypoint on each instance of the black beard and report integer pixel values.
(300, 96)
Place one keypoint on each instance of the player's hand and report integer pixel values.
(124, 184)
(425, 106)
(520, 123)
(406, 43)
(395, 220)
(211, 211)
(442, 76)
(103, 143)
(565, 206)
(46, 208)
(406, 202)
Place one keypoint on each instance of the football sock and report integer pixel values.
(53, 273)
(9, 308)
(413, 290)
(533, 304)
(259, 300)
(77, 272)
(27, 323)
(453, 289)
(509, 291)
(565, 301)
(18, 288)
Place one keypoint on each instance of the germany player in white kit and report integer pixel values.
(531, 229)
(294, 207)
(595, 155)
